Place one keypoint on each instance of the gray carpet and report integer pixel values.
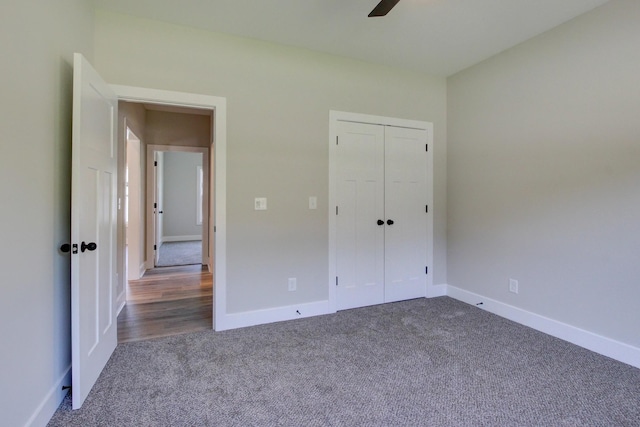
(435, 362)
(180, 253)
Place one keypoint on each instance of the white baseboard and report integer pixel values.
(51, 401)
(181, 238)
(142, 269)
(121, 301)
(278, 314)
(606, 346)
(436, 291)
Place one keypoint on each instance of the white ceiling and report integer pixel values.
(439, 37)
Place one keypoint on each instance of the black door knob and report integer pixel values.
(380, 222)
(161, 212)
(65, 247)
(389, 222)
(88, 246)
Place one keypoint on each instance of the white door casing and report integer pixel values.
(93, 220)
(403, 246)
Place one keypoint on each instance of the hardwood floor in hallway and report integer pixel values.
(167, 301)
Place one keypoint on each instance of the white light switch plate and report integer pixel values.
(313, 202)
(260, 203)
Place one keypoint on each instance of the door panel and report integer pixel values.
(93, 220)
(360, 196)
(405, 202)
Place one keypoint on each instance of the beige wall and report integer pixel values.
(179, 129)
(278, 101)
(37, 41)
(544, 174)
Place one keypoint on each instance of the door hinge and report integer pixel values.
(214, 228)
(426, 208)
(427, 147)
(155, 247)
(336, 210)
(336, 139)
(426, 270)
(155, 205)
(336, 280)
(155, 163)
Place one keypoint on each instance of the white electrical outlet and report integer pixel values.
(513, 286)
(260, 203)
(293, 284)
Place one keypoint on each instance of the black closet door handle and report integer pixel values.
(380, 222)
(389, 222)
(90, 246)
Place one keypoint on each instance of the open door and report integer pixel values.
(93, 227)
(158, 203)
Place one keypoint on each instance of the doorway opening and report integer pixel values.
(177, 205)
(168, 217)
(180, 188)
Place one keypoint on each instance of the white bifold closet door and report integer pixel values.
(381, 222)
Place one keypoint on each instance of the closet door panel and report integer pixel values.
(360, 203)
(405, 206)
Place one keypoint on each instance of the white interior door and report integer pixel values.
(406, 213)
(93, 228)
(360, 205)
(158, 207)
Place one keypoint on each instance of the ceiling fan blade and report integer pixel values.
(383, 8)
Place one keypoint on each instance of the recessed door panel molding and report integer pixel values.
(380, 213)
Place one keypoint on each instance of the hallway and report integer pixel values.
(167, 301)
